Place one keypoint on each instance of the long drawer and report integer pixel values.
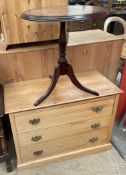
(64, 145)
(61, 131)
(60, 115)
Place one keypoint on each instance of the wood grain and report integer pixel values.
(90, 37)
(65, 13)
(15, 137)
(66, 156)
(65, 118)
(113, 117)
(60, 115)
(63, 131)
(2, 43)
(20, 96)
(39, 61)
(79, 141)
(16, 30)
(88, 50)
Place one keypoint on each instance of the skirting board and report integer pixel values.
(65, 156)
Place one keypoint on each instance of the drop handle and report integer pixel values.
(95, 125)
(93, 139)
(97, 109)
(34, 122)
(36, 138)
(38, 153)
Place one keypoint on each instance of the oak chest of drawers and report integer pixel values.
(69, 123)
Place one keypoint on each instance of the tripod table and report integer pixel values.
(63, 14)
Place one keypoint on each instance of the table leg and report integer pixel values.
(63, 68)
(51, 87)
(74, 80)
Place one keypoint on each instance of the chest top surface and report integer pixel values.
(64, 13)
(75, 38)
(20, 96)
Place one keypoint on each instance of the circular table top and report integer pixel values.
(64, 13)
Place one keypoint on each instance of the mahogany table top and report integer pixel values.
(64, 13)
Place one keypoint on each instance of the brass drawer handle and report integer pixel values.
(97, 109)
(36, 138)
(34, 121)
(95, 125)
(93, 139)
(38, 153)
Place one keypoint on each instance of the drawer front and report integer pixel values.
(62, 131)
(64, 145)
(45, 118)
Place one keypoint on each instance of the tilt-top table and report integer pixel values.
(63, 14)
